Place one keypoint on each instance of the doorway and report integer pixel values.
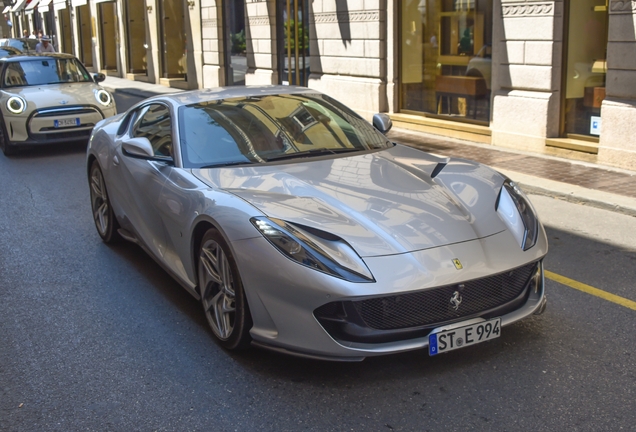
(85, 35)
(235, 47)
(136, 40)
(108, 35)
(293, 42)
(66, 38)
(585, 69)
(173, 43)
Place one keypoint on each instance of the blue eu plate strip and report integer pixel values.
(432, 344)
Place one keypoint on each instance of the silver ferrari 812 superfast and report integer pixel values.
(301, 228)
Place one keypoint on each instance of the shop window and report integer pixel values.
(445, 64)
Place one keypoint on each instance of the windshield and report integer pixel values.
(24, 45)
(260, 129)
(40, 71)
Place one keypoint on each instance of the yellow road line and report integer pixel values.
(591, 290)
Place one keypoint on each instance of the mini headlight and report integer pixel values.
(314, 249)
(516, 211)
(103, 97)
(16, 105)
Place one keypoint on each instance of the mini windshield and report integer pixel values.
(268, 128)
(39, 71)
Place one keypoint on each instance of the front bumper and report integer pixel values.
(284, 297)
(46, 125)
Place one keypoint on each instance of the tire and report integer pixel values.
(7, 148)
(103, 214)
(222, 294)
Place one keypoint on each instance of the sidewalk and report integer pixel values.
(575, 181)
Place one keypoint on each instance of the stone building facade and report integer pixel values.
(527, 74)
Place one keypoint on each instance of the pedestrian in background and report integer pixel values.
(45, 45)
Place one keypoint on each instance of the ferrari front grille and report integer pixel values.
(395, 317)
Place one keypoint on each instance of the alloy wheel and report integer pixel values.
(218, 294)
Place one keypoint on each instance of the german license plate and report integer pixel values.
(66, 122)
(460, 337)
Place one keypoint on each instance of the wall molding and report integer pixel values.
(528, 9)
(207, 23)
(259, 20)
(617, 7)
(344, 17)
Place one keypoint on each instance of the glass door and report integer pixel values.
(585, 68)
(446, 58)
(235, 47)
(293, 42)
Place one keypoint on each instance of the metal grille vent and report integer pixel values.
(434, 305)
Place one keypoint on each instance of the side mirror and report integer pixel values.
(99, 77)
(138, 147)
(382, 122)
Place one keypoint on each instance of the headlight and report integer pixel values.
(517, 212)
(103, 97)
(315, 249)
(16, 105)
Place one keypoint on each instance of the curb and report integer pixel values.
(574, 194)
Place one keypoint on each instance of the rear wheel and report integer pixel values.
(222, 293)
(103, 215)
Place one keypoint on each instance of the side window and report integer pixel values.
(154, 122)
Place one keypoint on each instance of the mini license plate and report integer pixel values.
(461, 337)
(66, 122)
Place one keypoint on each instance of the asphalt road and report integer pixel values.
(99, 338)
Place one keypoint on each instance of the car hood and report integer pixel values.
(57, 94)
(381, 203)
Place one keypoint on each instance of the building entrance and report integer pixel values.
(136, 40)
(293, 42)
(108, 35)
(585, 68)
(235, 48)
(173, 43)
(83, 14)
(66, 38)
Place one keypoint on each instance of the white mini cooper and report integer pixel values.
(49, 99)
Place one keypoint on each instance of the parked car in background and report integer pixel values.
(49, 99)
(301, 228)
(26, 45)
(481, 65)
(6, 51)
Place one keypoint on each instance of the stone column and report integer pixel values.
(348, 52)
(212, 43)
(260, 34)
(617, 145)
(526, 81)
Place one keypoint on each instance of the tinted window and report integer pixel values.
(154, 123)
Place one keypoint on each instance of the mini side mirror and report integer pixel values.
(99, 77)
(382, 122)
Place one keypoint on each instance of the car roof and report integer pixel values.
(29, 56)
(206, 95)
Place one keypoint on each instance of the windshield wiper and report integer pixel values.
(226, 164)
(313, 152)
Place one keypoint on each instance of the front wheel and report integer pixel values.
(222, 293)
(103, 214)
(7, 148)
